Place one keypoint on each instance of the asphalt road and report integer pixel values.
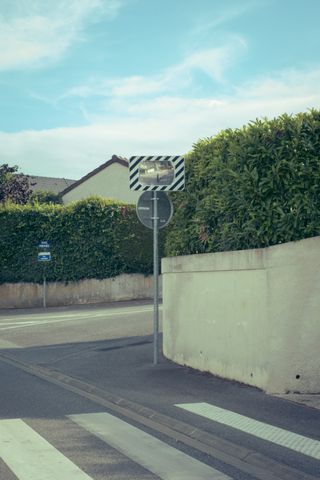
(81, 399)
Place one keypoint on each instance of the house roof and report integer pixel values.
(48, 184)
(114, 159)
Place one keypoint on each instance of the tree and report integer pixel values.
(12, 186)
(44, 196)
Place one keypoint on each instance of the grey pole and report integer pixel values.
(155, 280)
(44, 291)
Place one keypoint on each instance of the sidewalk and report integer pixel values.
(124, 367)
(311, 400)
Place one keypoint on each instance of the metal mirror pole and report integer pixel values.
(155, 280)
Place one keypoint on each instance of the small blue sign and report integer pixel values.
(44, 257)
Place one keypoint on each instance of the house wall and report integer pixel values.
(251, 316)
(111, 182)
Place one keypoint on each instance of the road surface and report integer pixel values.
(81, 399)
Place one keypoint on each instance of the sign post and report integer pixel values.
(44, 288)
(154, 210)
(155, 280)
(44, 255)
(153, 176)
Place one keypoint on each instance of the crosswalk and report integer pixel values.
(158, 457)
(31, 457)
(264, 431)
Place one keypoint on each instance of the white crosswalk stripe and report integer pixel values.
(31, 457)
(262, 430)
(153, 454)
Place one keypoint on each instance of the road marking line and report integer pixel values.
(37, 318)
(273, 434)
(35, 323)
(65, 318)
(15, 322)
(31, 457)
(153, 454)
(5, 344)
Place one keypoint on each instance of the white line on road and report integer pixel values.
(31, 457)
(14, 323)
(39, 323)
(156, 456)
(47, 320)
(5, 344)
(273, 434)
(70, 316)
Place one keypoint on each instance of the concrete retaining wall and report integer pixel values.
(252, 316)
(123, 287)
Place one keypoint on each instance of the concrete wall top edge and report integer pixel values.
(254, 259)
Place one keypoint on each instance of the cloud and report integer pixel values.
(34, 32)
(286, 83)
(227, 13)
(214, 62)
(214, 26)
(165, 124)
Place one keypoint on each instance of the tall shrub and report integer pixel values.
(250, 188)
(94, 238)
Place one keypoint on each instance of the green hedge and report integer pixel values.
(250, 188)
(94, 238)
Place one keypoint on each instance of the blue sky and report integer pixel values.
(84, 79)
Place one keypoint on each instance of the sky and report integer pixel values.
(81, 80)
